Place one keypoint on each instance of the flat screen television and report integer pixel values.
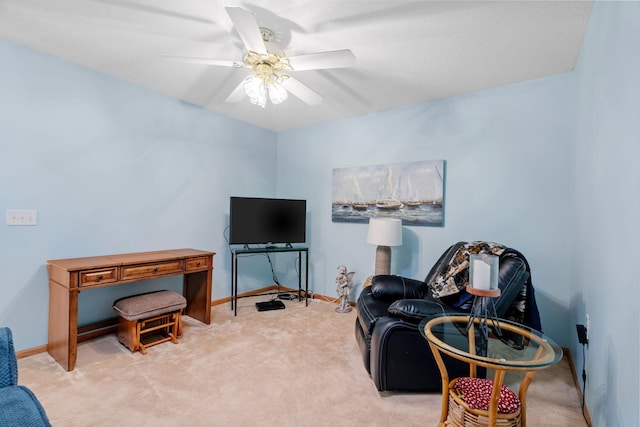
(256, 220)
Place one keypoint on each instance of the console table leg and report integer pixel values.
(197, 291)
(63, 325)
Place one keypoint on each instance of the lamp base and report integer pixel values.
(492, 293)
(383, 260)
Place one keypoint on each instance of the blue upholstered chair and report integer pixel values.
(19, 407)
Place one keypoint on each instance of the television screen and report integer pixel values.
(256, 220)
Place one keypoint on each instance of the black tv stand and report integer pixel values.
(246, 251)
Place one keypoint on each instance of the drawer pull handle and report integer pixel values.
(100, 276)
(198, 264)
(155, 270)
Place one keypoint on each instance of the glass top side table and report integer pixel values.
(455, 336)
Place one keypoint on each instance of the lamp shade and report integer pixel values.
(385, 231)
(483, 271)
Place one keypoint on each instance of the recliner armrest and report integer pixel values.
(414, 310)
(391, 288)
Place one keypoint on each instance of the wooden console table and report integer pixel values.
(69, 277)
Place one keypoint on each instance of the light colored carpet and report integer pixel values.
(294, 367)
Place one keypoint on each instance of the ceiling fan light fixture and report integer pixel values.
(265, 82)
(255, 89)
(258, 88)
(277, 93)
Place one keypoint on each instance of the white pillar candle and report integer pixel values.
(481, 275)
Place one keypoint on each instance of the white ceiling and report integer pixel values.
(407, 52)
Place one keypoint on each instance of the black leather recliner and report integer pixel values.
(394, 352)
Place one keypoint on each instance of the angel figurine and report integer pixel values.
(344, 281)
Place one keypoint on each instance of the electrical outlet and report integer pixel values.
(587, 325)
(22, 217)
(582, 334)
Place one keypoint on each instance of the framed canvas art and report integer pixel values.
(413, 192)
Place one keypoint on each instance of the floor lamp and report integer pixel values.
(384, 232)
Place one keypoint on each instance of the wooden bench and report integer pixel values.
(143, 314)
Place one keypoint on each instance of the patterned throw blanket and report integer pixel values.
(455, 278)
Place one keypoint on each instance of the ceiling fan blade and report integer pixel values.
(321, 60)
(238, 93)
(247, 27)
(301, 91)
(205, 61)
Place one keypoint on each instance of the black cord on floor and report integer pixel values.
(584, 382)
(283, 295)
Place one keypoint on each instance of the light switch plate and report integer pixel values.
(22, 217)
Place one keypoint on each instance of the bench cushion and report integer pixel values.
(151, 304)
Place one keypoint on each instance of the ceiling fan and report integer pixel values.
(271, 68)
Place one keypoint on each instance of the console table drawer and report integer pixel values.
(150, 270)
(95, 277)
(196, 263)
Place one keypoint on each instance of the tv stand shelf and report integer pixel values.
(240, 252)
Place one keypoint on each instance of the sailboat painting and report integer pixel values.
(413, 192)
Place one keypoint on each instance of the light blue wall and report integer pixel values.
(111, 168)
(508, 154)
(607, 210)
